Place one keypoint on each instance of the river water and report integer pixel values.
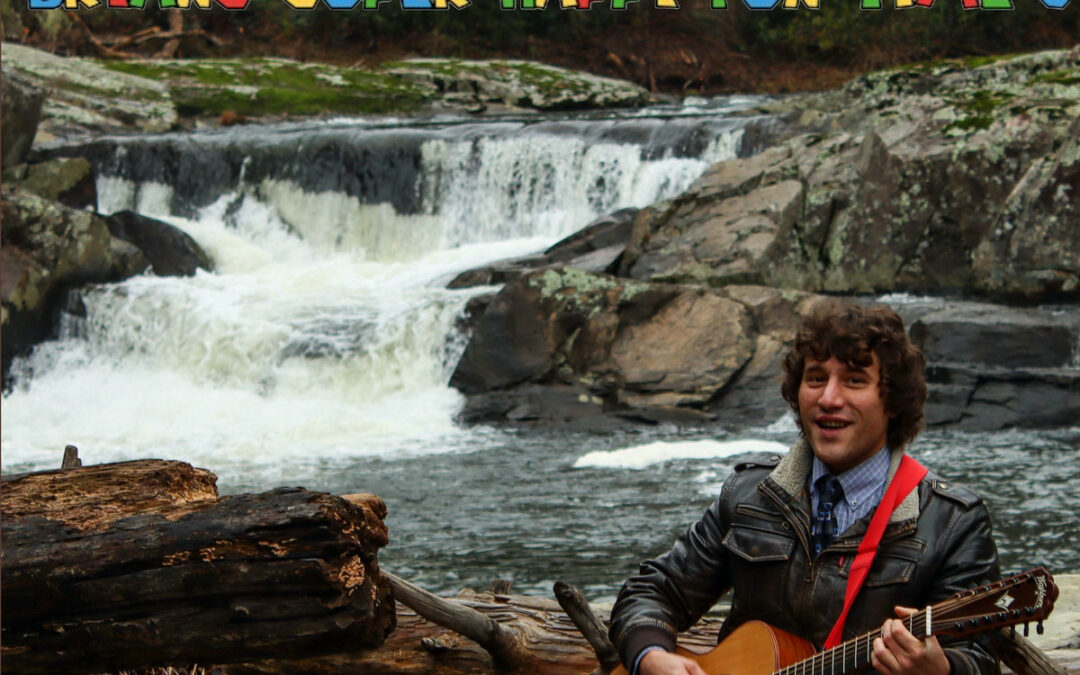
(318, 352)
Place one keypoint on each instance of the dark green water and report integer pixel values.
(514, 507)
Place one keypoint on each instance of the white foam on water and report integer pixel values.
(644, 456)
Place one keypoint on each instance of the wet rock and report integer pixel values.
(170, 251)
(598, 247)
(992, 367)
(68, 181)
(498, 272)
(982, 334)
(1002, 399)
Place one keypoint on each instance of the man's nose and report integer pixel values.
(831, 395)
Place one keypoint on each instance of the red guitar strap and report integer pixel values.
(907, 477)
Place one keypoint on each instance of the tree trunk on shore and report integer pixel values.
(137, 564)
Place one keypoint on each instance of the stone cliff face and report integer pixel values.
(944, 181)
(930, 182)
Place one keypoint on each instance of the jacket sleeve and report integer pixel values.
(670, 593)
(970, 561)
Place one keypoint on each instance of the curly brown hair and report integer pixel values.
(852, 333)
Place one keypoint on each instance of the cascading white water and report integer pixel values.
(326, 329)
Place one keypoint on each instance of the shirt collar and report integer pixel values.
(861, 482)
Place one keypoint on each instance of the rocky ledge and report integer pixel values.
(153, 95)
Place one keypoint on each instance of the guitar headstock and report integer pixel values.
(1021, 598)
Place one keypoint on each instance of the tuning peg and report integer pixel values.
(1026, 630)
(1012, 631)
(1039, 628)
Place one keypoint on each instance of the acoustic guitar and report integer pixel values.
(756, 648)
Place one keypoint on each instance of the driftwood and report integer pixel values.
(1022, 657)
(506, 646)
(590, 625)
(137, 564)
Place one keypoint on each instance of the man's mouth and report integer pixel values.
(832, 424)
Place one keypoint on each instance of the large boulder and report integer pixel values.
(170, 251)
(603, 345)
(947, 181)
(48, 248)
(20, 113)
(993, 366)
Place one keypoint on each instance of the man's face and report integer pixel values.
(842, 413)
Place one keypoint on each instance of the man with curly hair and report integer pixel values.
(784, 532)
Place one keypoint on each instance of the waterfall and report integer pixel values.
(326, 329)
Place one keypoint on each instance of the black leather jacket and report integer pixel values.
(756, 540)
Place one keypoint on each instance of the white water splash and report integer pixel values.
(644, 456)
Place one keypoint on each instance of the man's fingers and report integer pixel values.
(900, 640)
(898, 652)
(882, 659)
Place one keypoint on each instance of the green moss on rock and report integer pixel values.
(272, 86)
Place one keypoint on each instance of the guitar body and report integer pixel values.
(754, 648)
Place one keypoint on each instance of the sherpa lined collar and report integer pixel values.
(790, 475)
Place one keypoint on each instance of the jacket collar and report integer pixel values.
(791, 473)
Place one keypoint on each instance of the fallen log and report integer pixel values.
(158, 572)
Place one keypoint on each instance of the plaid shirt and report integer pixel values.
(864, 485)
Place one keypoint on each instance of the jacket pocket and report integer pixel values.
(758, 544)
(760, 561)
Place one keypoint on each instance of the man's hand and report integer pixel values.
(898, 652)
(659, 662)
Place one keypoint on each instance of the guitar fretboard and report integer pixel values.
(854, 653)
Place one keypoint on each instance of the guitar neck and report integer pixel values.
(854, 653)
